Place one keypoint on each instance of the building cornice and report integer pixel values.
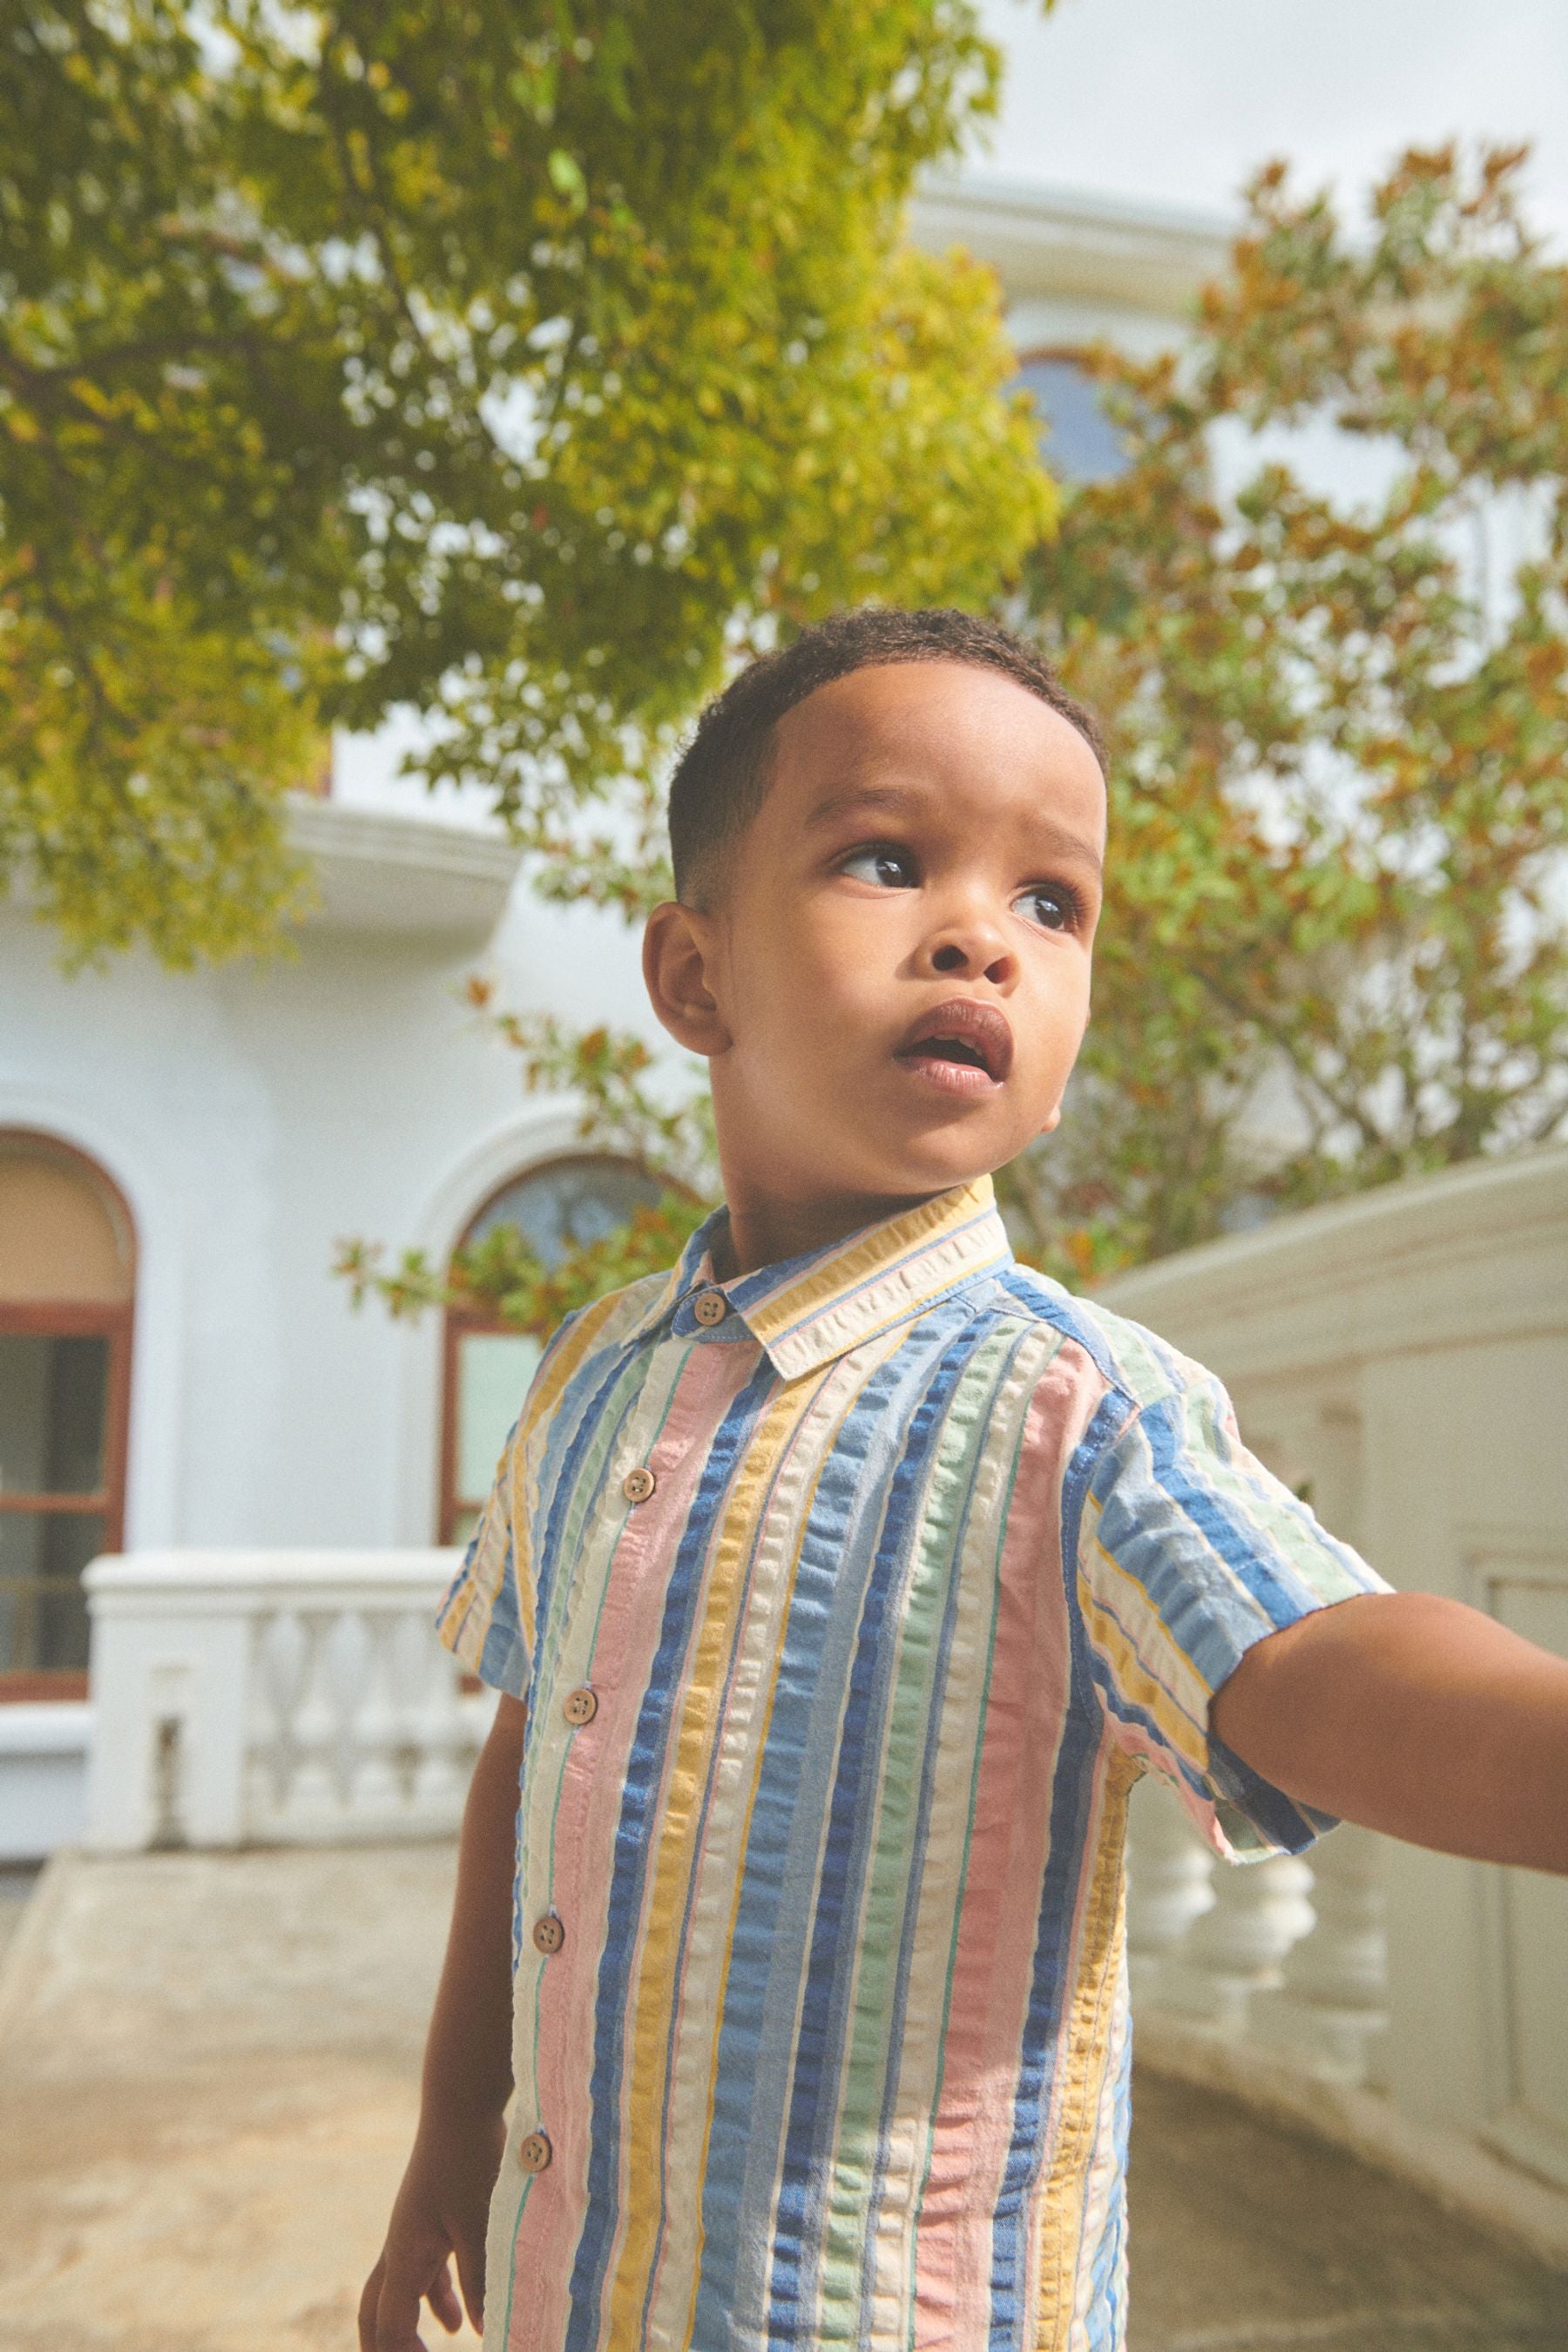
(1074, 246)
(379, 873)
(1421, 1264)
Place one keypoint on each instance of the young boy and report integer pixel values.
(839, 1585)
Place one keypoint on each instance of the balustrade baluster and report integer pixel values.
(314, 1794)
(1332, 1999)
(314, 1700)
(375, 1793)
(1169, 1871)
(441, 1778)
(1235, 1951)
(277, 1681)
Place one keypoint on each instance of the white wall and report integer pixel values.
(1406, 1354)
(253, 1116)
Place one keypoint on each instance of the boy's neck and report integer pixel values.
(764, 1230)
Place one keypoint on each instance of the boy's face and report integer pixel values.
(894, 983)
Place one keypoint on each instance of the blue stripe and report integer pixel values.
(715, 1756)
(582, 1406)
(1050, 1303)
(1141, 1527)
(840, 1886)
(634, 1845)
(1072, 1789)
(971, 1446)
(772, 1922)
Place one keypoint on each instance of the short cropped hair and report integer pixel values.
(723, 775)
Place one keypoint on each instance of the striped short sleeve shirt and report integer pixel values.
(848, 1599)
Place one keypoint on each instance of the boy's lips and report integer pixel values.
(962, 1045)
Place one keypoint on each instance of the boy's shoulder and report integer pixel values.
(1136, 1362)
(612, 1318)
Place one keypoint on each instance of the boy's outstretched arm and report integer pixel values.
(1412, 1715)
(442, 2207)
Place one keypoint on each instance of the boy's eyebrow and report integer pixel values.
(898, 799)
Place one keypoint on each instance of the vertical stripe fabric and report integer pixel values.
(937, 1559)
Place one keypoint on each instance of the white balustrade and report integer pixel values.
(1170, 1874)
(1234, 1952)
(1332, 1998)
(275, 1697)
(1283, 1956)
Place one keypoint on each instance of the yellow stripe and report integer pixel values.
(1083, 2053)
(874, 1257)
(653, 2000)
(543, 1398)
(828, 1442)
(1138, 1685)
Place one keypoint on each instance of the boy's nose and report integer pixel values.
(973, 950)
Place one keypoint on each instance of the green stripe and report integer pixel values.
(891, 1880)
(982, 1717)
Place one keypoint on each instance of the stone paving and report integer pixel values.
(206, 2087)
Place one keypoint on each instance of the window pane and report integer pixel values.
(42, 1608)
(574, 1201)
(1077, 440)
(494, 1369)
(53, 1390)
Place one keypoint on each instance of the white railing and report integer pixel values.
(1400, 1359)
(275, 1697)
(302, 1698)
(1286, 1957)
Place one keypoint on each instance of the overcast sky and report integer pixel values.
(1178, 100)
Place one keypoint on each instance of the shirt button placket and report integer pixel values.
(548, 1933)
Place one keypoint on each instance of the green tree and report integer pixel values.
(625, 1112)
(516, 363)
(1333, 950)
(1334, 946)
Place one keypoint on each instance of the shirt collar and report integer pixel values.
(808, 1309)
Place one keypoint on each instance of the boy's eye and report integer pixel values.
(881, 863)
(1050, 904)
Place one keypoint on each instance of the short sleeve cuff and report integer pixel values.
(477, 1620)
(1190, 1553)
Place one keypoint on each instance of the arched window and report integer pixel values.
(562, 1204)
(1077, 440)
(67, 1272)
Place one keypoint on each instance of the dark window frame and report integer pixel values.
(115, 1322)
(63, 1319)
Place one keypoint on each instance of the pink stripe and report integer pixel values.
(591, 1784)
(1008, 1854)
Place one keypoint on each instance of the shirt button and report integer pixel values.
(581, 1707)
(533, 2152)
(711, 1307)
(549, 1935)
(638, 1484)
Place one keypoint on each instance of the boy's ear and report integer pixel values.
(677, 949)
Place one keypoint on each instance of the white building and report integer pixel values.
(181, 1373)
(179, 1154)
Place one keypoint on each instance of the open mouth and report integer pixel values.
(962, 1046)
(956, 1049)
